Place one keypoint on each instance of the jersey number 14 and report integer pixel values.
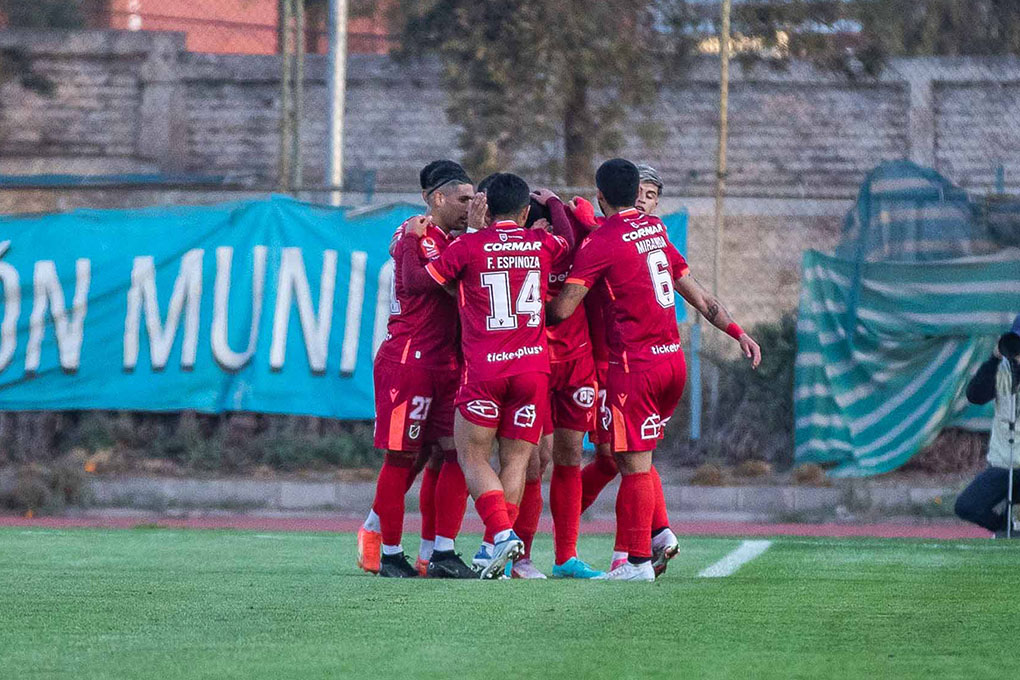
(503, 316)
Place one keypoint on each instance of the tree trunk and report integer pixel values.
(578, 135)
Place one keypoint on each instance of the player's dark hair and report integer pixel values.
(507, 194)
(484, 184)
(618, 180)
(537, 212)
(441, 173)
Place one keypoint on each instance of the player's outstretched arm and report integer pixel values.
(710, 308)
(560, 222)
(560, 308)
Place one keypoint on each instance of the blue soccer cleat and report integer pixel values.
(575, 568)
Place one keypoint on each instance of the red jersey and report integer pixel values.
(595, 303)
(423, 325)
(632, 257)
(503, 274)
(569, 338)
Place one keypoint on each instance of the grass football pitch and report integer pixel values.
(167, 604)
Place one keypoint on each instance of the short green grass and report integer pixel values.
(167, 604)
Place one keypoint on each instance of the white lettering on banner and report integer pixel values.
(228, 358)
(293, 286)
(185, 299)
(352, 321)
(516, 354)
(642, 232)
(516, 246)
(49, 294)
(12, 312)
(386, 303)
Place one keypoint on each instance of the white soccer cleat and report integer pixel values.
(525, 569)
(502, 553)
(630, 572)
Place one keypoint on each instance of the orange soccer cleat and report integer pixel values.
(369, 550)
(422, 567)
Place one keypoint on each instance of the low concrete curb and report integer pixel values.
(153, 493)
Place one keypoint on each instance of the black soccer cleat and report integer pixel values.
(447, 564)
(396, 566)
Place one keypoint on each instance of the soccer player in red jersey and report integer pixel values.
(501, 276)
(602, 469)
(631, 257)
(417, 370)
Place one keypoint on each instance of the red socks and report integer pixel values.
(660, 518)
(595, 476)
(565, 501)
(493, 509)
(427, 503)
(390, 488)
(526, 524)
(451, 497)
(634, 507)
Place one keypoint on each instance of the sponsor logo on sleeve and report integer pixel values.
(429, 248)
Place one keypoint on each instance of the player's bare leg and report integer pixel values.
(565, 504)
(635, 505)
(474, 445)
(526, 525)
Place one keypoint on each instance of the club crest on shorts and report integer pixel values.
(525, 416)
(483, 408)
(652, 426)
(585, 397)
(414, 431)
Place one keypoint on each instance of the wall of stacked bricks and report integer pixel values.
(801, 140)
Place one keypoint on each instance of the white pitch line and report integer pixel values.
(747, 551)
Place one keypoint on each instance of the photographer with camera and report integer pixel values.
(985, 501)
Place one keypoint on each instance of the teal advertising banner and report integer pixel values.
(272, 306)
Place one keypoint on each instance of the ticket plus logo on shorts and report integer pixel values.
(525, 416)
(585, 397)
(483, 408)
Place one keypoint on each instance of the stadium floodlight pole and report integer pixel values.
(298, 109)
(337, 95)
(720, 171)
(283, 43)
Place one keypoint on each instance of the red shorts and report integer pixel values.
(640, 404)
(572, 395)
(600, 433)
(413, 405)
(515, 406)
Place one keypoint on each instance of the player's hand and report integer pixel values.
(478, 211)
(416, 226)
(542, 223)
(543, 196)
(750, 349)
